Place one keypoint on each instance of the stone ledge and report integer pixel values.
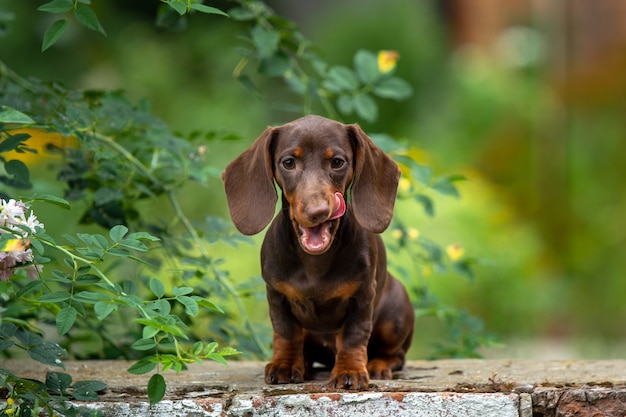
(450, 388)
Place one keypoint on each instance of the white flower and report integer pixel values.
(10, 211)
(12, 216)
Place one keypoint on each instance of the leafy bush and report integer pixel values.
(161, 271)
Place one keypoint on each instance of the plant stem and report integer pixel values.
(76, 258)
(223, 282)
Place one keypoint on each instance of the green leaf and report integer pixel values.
(87, 390)
(57, 6)
(133, 244)
(10, 115)
(208, 304)
(54, 297)
(421, 173)
(366, 66)
(149, 332)
(142, 366)
(7, 330)
(342, 79)
(51, 199)
(90, 297)
(144, 344)
(295, 83)
(179, 6)
(103, 309)
(18, 169)
(58, 382)
(241, 14)
(156, 388)
(118, 232)
(366, 107)
(100, 241)
(14, 141)
(427, 204)
(87, 279)
(106, 195)
(48, 353)
(207, 9)
(265, 40)
(394, 88)
(161, 305)
(178, 291)
(27, 289)
(157, 287)
(131, 301)
(445, 186)
(65, 319)
(87, 17)
(143, 236)
(53, 34)
(5, 344)
(191, 306)
(345, 104)
(275, 65)
(58, 276)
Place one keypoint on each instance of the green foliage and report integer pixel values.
(282, 51)
(29, 397)
(84, 14)
(165, 277)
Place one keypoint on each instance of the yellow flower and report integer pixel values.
(412, 233)
(10, 401)
(387, 60)
(427, 271)
(455, 251)
(404, 184)
(15, 245)
(397, 234)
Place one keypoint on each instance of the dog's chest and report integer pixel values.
(317, 306)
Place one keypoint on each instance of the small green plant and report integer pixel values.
(79, 288)
(27, 397)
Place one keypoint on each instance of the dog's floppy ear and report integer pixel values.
(374, 184)
(249, 185)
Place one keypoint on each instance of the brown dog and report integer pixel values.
(330, 296)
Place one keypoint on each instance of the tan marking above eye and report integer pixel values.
(298, 152)
(329, 153)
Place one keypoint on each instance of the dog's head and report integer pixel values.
(315, 161)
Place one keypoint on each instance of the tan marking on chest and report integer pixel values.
(342, 291)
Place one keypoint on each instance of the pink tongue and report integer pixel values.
(340, 207)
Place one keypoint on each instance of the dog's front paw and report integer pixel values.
(284, 372)
(355, 379)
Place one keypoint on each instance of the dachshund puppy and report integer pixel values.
(331, 299)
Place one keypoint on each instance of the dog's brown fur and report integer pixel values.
(334, 303)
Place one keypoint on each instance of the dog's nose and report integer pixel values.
(318, 213)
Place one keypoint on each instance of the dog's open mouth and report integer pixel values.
(317, 239)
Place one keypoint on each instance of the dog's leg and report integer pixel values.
(287, 364)
(350, 370)
(392, 333)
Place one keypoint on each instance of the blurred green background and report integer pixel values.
(527, 99)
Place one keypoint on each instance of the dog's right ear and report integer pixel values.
(249, 185)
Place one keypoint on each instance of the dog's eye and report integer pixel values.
(337, 163)
(289, 163)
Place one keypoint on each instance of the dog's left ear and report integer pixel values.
(374, 184)
(249, 185)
